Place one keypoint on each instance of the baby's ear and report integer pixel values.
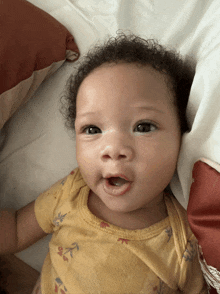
(204, 216)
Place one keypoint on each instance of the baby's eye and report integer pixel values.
(91, 130)
(145, 127)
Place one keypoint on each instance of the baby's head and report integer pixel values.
(127, 104)
(135, 50)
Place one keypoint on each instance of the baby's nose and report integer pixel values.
(117, 150)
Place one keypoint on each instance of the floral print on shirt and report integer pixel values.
(64, 253)
(59, 219)
(169, 232)
(190, 252)
(104, 225)
(123, 240)
(59, 287)
(159, 289)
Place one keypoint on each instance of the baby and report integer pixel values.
(116, 226)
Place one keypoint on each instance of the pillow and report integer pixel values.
(33, 45)
(204, 217)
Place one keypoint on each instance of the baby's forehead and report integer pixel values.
(124, 85)
(123, 68)
(131, 73)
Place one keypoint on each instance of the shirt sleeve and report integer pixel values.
(46, 204)
(191, 279)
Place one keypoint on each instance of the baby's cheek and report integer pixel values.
(87, 165)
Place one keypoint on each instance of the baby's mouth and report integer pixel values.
(116, 185)
(116, 181)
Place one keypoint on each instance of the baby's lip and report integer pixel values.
(108, 176)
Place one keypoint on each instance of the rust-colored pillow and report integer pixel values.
(204, 217)
(33, 45)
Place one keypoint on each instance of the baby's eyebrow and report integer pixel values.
(151, 108)
(91, 113)
(83, 114)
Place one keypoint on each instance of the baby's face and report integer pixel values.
(127, 135)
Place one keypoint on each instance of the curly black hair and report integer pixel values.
(133, 49)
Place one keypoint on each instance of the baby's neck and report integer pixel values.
(138, 219)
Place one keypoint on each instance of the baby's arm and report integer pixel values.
(19, 229)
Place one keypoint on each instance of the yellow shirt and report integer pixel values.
(90, 256)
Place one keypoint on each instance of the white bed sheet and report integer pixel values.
(39, 150)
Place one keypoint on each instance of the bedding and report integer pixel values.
(203, 214)
(38, 150)
(33, 46)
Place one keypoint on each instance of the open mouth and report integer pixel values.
(117, 181)
(117, 185)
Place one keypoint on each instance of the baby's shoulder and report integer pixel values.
(179, 223)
